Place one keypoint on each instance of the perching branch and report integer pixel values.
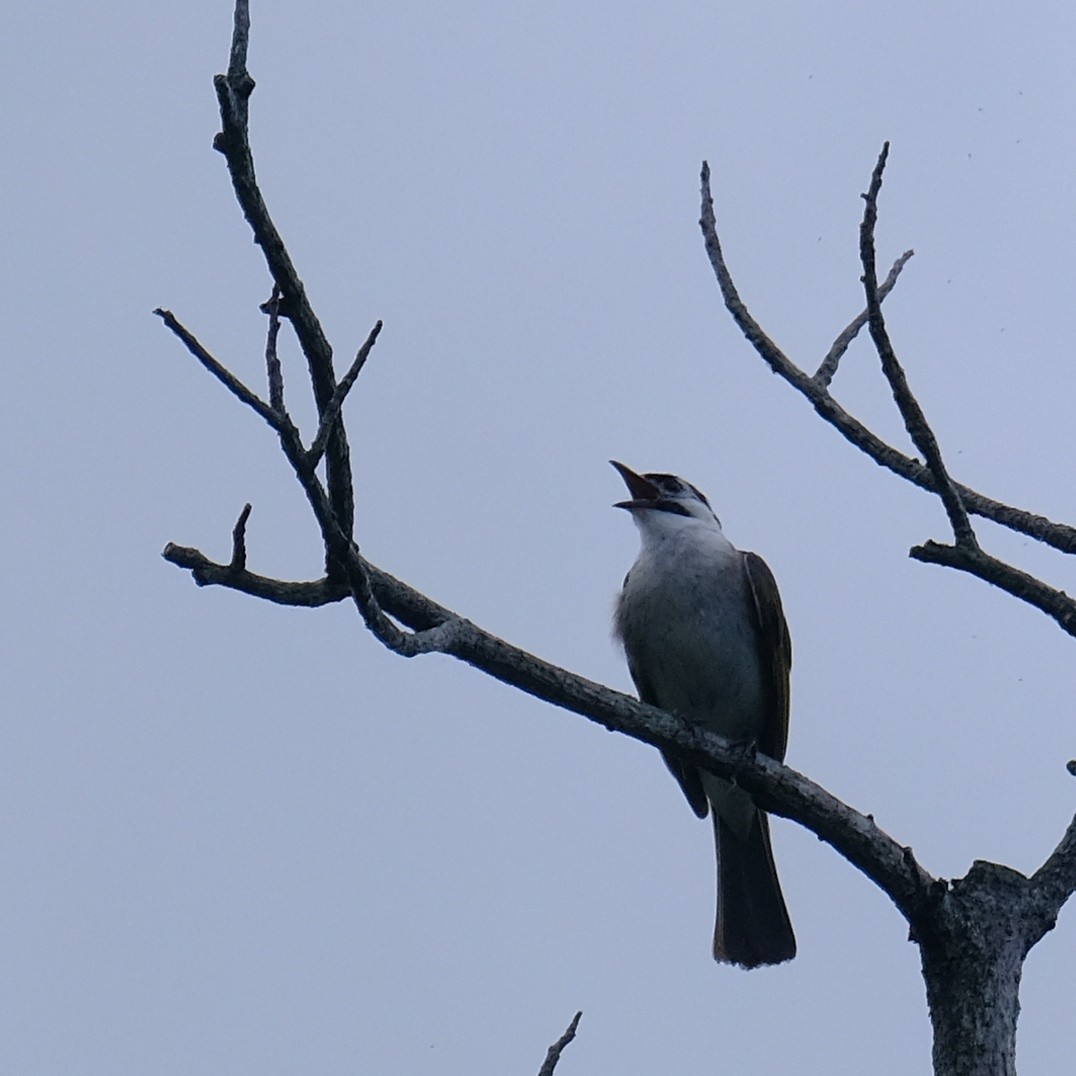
(434, 628)
(778, 788)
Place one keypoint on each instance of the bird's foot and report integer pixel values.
(746, 750)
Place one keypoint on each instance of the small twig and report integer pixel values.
(273, 372)
(332, 408)
(915, 421)
(206, 573)
(553, 1054)
(237, 61)
(219, 371)
(827, 371)
(238, 562)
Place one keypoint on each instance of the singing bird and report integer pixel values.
(705, 637)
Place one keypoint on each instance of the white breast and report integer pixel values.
(686, 618)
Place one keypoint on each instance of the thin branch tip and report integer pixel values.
(554, 1052)
(273, 371)
(238, 562)
(237, 56)
(331, 414)
(232, 383)
(883, 158)
(828, 368)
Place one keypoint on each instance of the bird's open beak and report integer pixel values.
(643, 491)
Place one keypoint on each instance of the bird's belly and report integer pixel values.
(697, 649)
(714, 681)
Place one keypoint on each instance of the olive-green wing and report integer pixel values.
(774, 651)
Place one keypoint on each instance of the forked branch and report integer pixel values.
(289, 299)
(959, 500)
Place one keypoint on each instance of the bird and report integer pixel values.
(705, 637)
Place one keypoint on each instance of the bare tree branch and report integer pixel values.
(233, 97)
(207, 573)
(966, 554)
(915, 421)
(777, 788)
(239, 542)
(237, 58)
(1059, 535)
(553, 1055)
(827, 371)
(219, 371)
(332, 409)
(1055, 881)
(1054, 603)
(273, 373)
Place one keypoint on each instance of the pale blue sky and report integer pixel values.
(243, 839)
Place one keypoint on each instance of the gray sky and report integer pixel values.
(244, 839)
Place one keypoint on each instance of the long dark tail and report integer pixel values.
(753, 927)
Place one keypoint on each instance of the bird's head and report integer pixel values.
(657, 500)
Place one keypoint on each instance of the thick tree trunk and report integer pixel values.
(973, 948)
